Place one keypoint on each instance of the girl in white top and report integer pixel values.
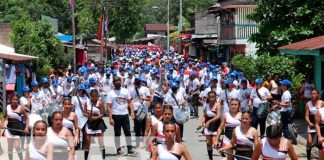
(61, 138)
(94, 110)
(157, 133)
(151, 121)
(170, 150)
(70, 119)
(40, 148)
(319, 125)
(244, 137)
(274, 146)
(229, 121)
(13, 113)
(211, 119)
(312, 108)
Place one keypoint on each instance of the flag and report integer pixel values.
(107, 25)
(100, 26)
(72, 5)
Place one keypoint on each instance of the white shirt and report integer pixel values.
(256, 100)
(118, 100)
(286, 97)
(244, 96)
(105, 84)
(171, 101)
(234, 94)
(193, 85)
(143, 92)
(56, 92)
(217, 90)
(36, 100)
(23, 102)
(75, 102)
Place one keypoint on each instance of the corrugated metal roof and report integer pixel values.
(240, 6)
(308, 44)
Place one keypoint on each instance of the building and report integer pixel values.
(157, 30)
(5, 33)
(204, 39)
(234, 27)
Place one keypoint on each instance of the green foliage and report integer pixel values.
(37, 39)
(264, 65)
(283, 22)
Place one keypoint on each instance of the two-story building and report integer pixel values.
(234, 27)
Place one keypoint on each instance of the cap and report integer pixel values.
(244, 80)
(285, 82)
(108, 72)
(206, 85)
(34, 83)
(92, 80)
(174, 85)
(229, 80)
(214, 78)
(81, 87)
(44, 80)
(25, 89)
(55, 82)
(258, 81)
(138, 78)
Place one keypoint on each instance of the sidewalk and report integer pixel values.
(301, 127)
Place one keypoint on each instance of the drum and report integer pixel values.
(141, 112)
(181, 115)
(273, 117)
(33, 118)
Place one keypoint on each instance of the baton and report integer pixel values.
(13, 129)
(238, 156)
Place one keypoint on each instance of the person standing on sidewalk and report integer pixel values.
(312, 108)
(118, 102)
(286, 106)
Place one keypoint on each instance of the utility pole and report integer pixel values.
(168, 28)
(106, 31)
(73, 33)
(180, 29)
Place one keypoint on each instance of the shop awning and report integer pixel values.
(9, 53)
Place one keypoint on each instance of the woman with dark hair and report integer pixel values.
(170, 150)
(244, 137)
(40, 148)
(70, 119)
(13, 113)
(158, 136)
(61, 138)
(151, 121)
(311, 110)
(229, 121)
(274, 146)
(94, 110)
(211, 119)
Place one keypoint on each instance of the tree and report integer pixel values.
(283, 22)
(264, 65)
(37, 39)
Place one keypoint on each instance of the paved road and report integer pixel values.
(193, 140)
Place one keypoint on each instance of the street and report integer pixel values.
(194, 141)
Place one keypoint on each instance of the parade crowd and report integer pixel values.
(159, 91)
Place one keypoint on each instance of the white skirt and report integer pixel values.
(209, 133)
(311, 130)
(90, 131)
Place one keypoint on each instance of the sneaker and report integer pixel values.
(120, 153)
(131, 152)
